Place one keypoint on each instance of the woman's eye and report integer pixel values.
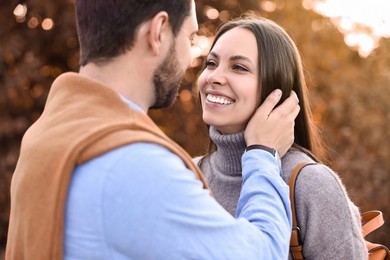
(210, 63)
(239, 67)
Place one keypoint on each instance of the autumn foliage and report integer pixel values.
(349, 94)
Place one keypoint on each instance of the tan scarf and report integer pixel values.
(82, 119)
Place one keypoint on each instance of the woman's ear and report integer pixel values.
(158, 32)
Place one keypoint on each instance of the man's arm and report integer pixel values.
(165, 209)
(274, 127)
(141, 202)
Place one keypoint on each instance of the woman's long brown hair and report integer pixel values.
(280, 66)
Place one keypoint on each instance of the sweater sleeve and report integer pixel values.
(153, 207)
(329, 221)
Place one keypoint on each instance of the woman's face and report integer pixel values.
(228, 85)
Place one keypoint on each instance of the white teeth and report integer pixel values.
(219, 100)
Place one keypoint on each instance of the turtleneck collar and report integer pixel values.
(230, 149)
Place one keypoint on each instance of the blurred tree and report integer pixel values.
(349, 94)
(31, 57)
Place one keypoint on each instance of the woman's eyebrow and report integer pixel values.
(213, 54)
(240, 57)
(232, 58)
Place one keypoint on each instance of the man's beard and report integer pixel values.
(166, 79)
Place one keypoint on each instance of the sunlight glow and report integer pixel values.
(366, 43)
(363, 22)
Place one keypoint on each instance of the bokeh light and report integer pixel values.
(20, 12)
(33, 22)
(47, 24)
(268, 6)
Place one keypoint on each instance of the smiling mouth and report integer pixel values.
(219, 100)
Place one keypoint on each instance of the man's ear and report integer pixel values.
(159, 29)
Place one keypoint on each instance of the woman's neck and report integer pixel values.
(229, 151)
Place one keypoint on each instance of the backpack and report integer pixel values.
(371, 220)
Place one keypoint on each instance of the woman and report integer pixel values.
(250, 58)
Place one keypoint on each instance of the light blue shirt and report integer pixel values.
(141, 202)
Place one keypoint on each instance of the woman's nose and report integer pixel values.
(217, 77)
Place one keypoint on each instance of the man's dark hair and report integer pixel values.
(107, 28)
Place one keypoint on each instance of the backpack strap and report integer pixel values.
(296, 245)
(372, 220)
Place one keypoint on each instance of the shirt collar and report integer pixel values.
(132, 104)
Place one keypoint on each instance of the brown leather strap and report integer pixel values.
(371, 220)
(295, 241)
(377, 251)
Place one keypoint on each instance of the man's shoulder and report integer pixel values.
(148, 154)
(128, 168)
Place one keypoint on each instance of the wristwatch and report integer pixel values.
(268, 149)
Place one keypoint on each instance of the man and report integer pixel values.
(96, 179)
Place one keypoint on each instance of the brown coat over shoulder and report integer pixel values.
(82, 119)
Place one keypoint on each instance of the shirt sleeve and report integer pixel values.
(153, 207)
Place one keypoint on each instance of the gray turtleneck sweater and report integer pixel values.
(329, 221)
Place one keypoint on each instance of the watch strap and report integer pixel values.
(261, 147)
